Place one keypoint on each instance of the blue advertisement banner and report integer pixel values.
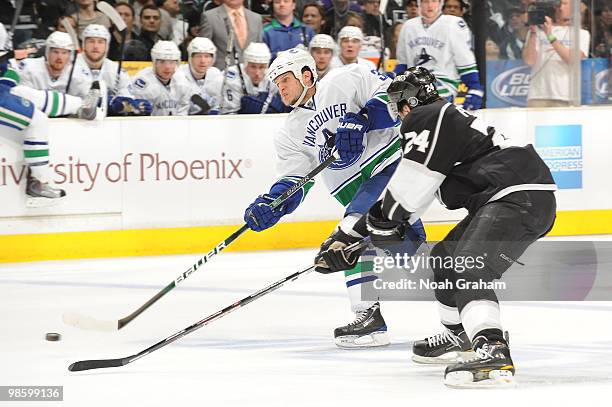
(560, 147)
(508, 82)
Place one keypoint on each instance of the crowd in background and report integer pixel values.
(355, 31)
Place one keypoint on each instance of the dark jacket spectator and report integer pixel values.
(150, 22)
(126, 11)
(232, 18)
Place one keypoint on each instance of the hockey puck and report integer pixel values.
(52, 336)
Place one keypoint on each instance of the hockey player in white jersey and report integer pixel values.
(442, 44)
(346, 110)
(53, 71)
(20, 114)
(170, 94)
(246, 89)
(349, 40)
(92, 65)
(204, 79)
(322, 47)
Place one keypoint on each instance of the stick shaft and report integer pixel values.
(203, 260)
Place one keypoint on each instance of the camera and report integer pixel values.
(540, 9)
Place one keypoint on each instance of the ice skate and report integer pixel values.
(491, 366)
(42, 194)
(366, 331)
(444, 348)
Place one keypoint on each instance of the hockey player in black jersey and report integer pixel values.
(508, 192)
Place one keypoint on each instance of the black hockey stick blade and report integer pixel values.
(97, 364)
(201, 103)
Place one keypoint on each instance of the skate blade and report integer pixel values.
(447, 359)
(41, 202)
(498, 379)
(372, 340)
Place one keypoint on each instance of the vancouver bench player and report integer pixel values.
(442, 44)
(508, 192)
(325, 113)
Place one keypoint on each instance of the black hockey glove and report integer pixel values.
(332, 257)
(383, 232)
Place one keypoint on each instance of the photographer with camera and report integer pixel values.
(548, 52)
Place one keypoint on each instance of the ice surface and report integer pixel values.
(277, 351)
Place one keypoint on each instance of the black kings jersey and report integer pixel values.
(455, 156)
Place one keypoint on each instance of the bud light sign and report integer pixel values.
(509, 85)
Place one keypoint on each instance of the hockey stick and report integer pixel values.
(116, 19)
(103, 363)
(85, 322)
(201, 103)
(11, 33)
(228, 56)
(75, 42)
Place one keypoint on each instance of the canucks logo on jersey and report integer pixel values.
(325, 151)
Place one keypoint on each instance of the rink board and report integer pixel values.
(142, 186)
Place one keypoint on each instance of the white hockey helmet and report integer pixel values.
(294, 60)
(95, 31)
(60, 40)
(201, 45)
(165, 51)
(322, 41)
(257, 53)
(350, 32)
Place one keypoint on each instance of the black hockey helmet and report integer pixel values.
(416, 86)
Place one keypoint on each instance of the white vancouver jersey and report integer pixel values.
(209, 87)
(301, 143)
(233, 91)
(444, 47)
(167, 100)
(107, 73)
(34, 74)
(336, 62)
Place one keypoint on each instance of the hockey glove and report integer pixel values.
(349, 136)
(121, 105)
(473, 100)
(332, 257)
(260, 215)
(393, 236)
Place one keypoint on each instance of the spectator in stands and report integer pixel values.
(87, 14)
(126, 11)
(548, 52)
(355, 20)
(49, 12)
(172, 25)
(373, 22)
(211, 4)
(138, 6)
(232, 18)
(336, 17)
(412, 9)
(492, 50)
(454, 7)
(285, 31)
(349, 40)
(150, 22)
(322, 48)
(313, 15)
(602, 46)
(514, 34)
(59, 26)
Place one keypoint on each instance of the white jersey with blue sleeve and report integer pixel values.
(172, 99)
(209, 88)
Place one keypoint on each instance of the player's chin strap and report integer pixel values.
(299, 101)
